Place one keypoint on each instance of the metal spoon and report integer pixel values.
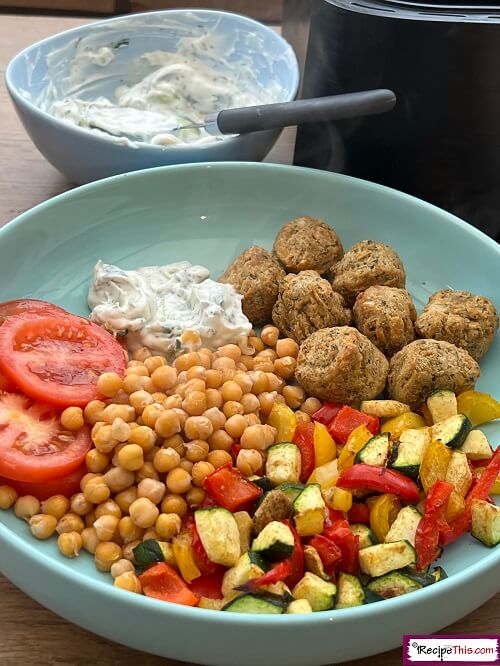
(284, 114)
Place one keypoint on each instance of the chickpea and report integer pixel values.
(27, 506)
(89, 518)
(270, 434)
(287, 347)
(247, 362)
(154, 362)
(166, 459)
(56, 505)
(198, 427)
(143, 512)
(174, 503)
(223, 362)
(151, 414)
(72, 418)
(178, 481)
(195, 497)
(275, 383)
(42, 525)
(256, 343)
(164, 377)
(218, 458)
(249, 461)
(104, 440)
(231, 408)
(158, 397)
(71, 522)
(196, 372)
(106, 554)
(105, 527)
(285, 367)
(168, 423)
(310, 405)
(173, 401)
(254, 437)
(186, 361)
(122, 566)
(200, 471)
(176, 442)
(260, 382)
(152, 489)
(147, 471)
(125, 498)
(96, 461)
(197, 450)
(140, 400)
(302, 417)
(131, 457)
(294, 396)
(267, 354)
(194, 385)
(235, 426)
(168, 525)
(70, 544)
(250, 403)
(113, 411)
(195, 403)
(93, 411)
(217, 418)
(89, 539)
(96, 490)
(8, 496)
(220, 440)
(270, 335)
(132, 382)
(117, 479)
(231, 391)
(108, 508)
(244, 381)
(214, 398)
(213, 379)
(266, 401)
(144, 436)
(128, 549)
(128, 530)
(79, 505)
(186, 465)
(128, 581)
(109, 383)
(252, 419)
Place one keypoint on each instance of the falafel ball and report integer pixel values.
(341, 365)
(459, 317)
(385, 315)
(255, 274)
(306, 303)
(307, 243)
(425, 365)
(367, 263)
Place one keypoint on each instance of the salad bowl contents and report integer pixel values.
(331, 459)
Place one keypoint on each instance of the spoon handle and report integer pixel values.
(319, 109)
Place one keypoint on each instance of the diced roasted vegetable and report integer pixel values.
(219, 534)
(479, 407)
(325, 448)
(184, 557)
(245, 526)
(291, 490)
(380, 479)
(284, 420)
(326, 475)
(459, 473)
(355, 442)
(283, 463)
(275, 505)
(476, 446)
(452, 431)
(319, 593)
(439, 574)
(375, 451)
(393, 584)
(385, 409)
(248, 566)
(275, 542)
(309, 511)
(434, 464)
(408, 451)
(384, 557)
(313, 562)
(150, 551)
(299, 606)
(486, 522)
(383, 511)
(366, 536)
(442, 405)
(350, 592)
(398, 424)
(211, 604)
(258, 604)
(405, 526)
(337, 498)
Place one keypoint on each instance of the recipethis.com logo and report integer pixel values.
(459, 649)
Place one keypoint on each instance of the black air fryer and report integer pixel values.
(442, 141)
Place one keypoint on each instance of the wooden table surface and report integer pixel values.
(30, 634)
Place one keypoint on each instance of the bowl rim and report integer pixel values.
(103, 587)
(20, 100)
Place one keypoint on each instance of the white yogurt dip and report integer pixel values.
(153, 306)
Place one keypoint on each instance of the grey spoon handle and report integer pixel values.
(318, 109)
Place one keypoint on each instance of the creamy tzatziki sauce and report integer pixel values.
(179, 89)
(153, 306)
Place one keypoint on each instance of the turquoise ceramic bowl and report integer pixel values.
(208, 214)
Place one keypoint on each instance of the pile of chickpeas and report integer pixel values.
(158, 433)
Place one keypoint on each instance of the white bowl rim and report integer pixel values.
(105, 588)
(142, 146)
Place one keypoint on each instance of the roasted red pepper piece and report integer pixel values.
(328, 551)
(304, 439)
(480, 490)
(332, 516)
(326, 413)
(279, 572)
(296, 558)
(348, 543)
(380, 479)
(427, 535)
(209, 586)
(347, 420)
(162, 582)
(230, 489)
(359, 513)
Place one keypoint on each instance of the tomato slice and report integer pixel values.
(65, 485)
(6, 384)
(34, 447)
(58, 359)
(28, 306)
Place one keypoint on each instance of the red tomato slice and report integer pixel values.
(30, 306)
(6, 384)
(58, 359)
(65, 485)
(33, 445)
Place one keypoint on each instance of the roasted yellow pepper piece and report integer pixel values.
(183, 553)
(405, 421)
(326, 475)
(383, 512)
(339, 498)
(479, 407)
(284, 420)
(456, 505)
(355, 442)
(325, 449)
(434, 464)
